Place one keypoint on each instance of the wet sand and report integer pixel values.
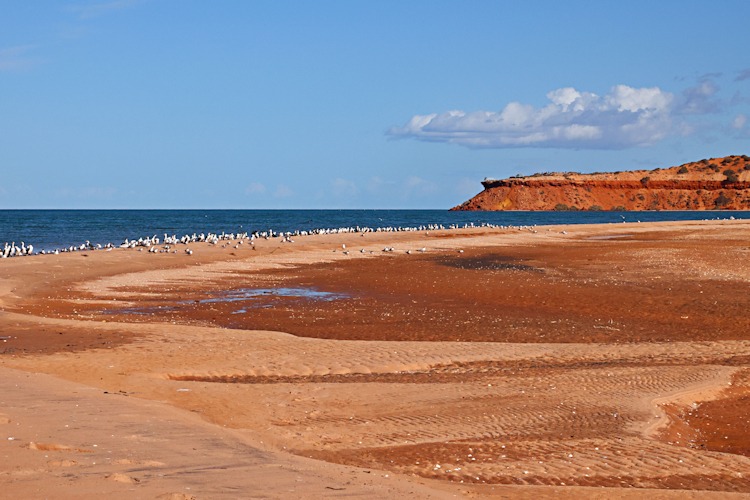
(582, 361)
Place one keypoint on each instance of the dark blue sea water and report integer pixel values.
(51, 229)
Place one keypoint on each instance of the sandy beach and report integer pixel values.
(585, 361)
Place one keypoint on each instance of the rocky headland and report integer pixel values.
(709, 184)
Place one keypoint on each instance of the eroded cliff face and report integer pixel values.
(713, 184)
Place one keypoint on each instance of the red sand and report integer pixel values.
(496, 362)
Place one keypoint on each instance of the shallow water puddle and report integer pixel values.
(260, 297)
(247, 294)
(252, 293)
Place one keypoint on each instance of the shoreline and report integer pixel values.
(107, 236)
(373, 384)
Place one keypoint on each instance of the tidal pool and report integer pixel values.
(256, 298)
(253, 293)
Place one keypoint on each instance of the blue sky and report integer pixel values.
(354, 104)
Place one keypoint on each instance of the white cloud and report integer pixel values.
(255, 188)
(624, 117)
(624, 98)
(739, 122)
(700, 99)
(283, 191)
(343, 188)
(743, 75)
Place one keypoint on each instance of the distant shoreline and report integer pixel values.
(50, 230)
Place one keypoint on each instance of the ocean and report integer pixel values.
(57, 229)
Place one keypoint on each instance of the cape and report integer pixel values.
(710, 184)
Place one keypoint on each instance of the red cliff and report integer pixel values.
(715, 184)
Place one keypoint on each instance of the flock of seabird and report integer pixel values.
(15, 251)
(154, 244)
(168, 242)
